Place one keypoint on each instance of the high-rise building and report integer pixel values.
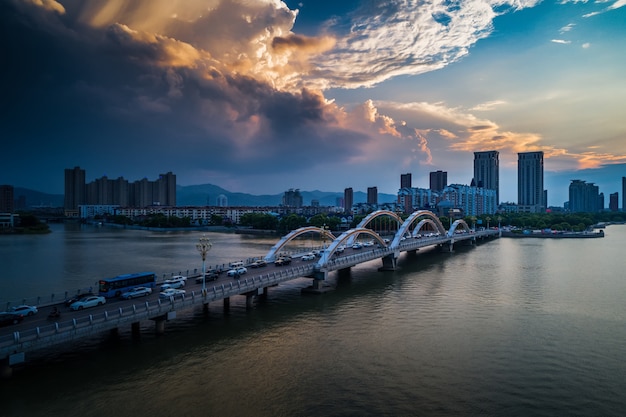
(405, 180)
(613, 201)
(372, 196)
(584, 197)
(348, 200)
(292, 198)
(530, 192)
(6, 199)
(222, 201)
(74, 190)
(623, 193)
(165, 190)
(486, 171)
(438, 180)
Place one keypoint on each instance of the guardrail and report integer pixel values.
(63, 331)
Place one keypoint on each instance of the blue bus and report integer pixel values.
(114, 287)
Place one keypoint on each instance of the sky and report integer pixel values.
(260, 96)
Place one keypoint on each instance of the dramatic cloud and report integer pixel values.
(226, 90)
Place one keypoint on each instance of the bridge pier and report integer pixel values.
(319, 285)
(135, 329)
(390, 262)
(249, 301)
(159, 326)
(6, 371)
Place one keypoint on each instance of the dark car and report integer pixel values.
(209, 276)
(8, 318)
(77, 297)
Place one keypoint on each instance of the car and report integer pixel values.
(208, 276)
(24, 310)
(137, 292)
(237, 271)
(179, 277)
(92, 301)
(173, 283)
(171, 292)
(308, 257)
(7, 318)
(77, 297)
(259, 263)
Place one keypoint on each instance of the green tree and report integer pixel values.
(292, 222)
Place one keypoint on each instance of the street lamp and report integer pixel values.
(203, 246)
(324, 228)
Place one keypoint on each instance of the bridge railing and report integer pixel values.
(64, 330)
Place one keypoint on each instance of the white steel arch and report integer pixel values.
(455, 226)
(411, 219)
(378, 213)
(421, 224)
(347, 236)
(271, 255)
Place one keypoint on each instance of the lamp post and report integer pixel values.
(203, 246)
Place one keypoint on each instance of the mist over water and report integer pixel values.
(509, 327)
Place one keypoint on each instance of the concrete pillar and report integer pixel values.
(263, 295)
(135, 328)
(159, 326)
(249, 301)
(6, 371)
(389, 263)
(226, 303)
(317, 284)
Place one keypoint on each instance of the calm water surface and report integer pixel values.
(505, 328)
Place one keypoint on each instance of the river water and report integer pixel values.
(510, 327)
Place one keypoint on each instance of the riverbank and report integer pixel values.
(557, 235)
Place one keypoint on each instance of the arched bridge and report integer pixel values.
(422, 228)
(381, 235)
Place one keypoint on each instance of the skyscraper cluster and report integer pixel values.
(483, 194)
(103, 191)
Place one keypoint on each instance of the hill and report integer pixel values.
(206, 194)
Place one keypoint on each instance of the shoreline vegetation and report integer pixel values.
(534, 225)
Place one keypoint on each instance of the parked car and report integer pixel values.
(92, 301)
(208, 276)
(77, 297)
(7, 318)
(25, 310)
(259, 263)
(171, 292)
(137, 292)
(237, 271)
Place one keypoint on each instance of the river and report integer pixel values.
(510, 327)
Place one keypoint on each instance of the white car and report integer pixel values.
(25, 310)
(179, 277)
(137, 292)
(308, 257)
(92, 301)
(171, 292)
(172, 283)
(237, 271)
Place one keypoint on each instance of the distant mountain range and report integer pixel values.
(206, 194)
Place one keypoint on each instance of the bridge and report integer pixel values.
(355, 246)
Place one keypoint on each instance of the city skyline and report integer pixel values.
(265, 96)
